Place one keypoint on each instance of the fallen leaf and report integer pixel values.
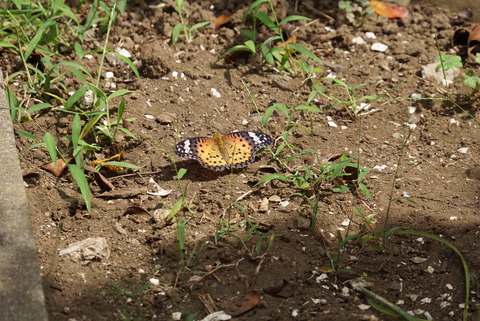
(56, 169)
(137, 214)
(222, 19)
(250, 300)
(474, 40)
(387, 10)
(102, 181)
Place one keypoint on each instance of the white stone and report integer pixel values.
(88, 249)
(215, 93)
(358, 41)
(380, 47)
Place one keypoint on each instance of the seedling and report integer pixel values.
(182, 29)
(355, 11)
(276, 50)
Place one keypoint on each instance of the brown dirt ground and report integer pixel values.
(441, 180)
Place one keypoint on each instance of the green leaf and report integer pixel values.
(76, 96)
(294, 18)
(120, 92)
(76, 129)
(310, 108)
(364, 189)
(49, 141)
(252, 6)
(129, 133)
(250, 45)
(39, 107)
(181, 173)
(267, 21)
(175, 209)
(13, 104)
(120, 164)
(272, 177)
(79, 177)
(128, 62)
(303, 50)
(199, 25)
(176, 32)
(247, 34)
(36, 39)
(27, 135)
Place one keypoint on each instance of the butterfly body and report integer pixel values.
(234, 150)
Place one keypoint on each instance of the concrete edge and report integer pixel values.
(21, 292)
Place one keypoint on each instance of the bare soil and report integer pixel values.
(143, 276)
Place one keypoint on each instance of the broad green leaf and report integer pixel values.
(36, 39)
(176, 32)
(247, 34)
(79, 177)
(49, 141)
(76, 129)
(267, 21)
(181, 173)
(39, 107)
(250, 45)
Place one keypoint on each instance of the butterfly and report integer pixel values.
(234, 150)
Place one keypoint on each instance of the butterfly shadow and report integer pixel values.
(198, 173)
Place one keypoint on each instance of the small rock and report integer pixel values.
(302, 223)
(88, 250)
(215, 93)
(380, 47)
(160, 216)
(123, 52)
(358, 41)
(429, 72)
(166, 118)
(217, 316)
(263, 205)
(275, 198)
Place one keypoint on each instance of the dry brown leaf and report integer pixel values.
(137, 214)
(222, 19)
(250, 300)
(57, 168)
(474, 40)
(102, 182)
(387, 10)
